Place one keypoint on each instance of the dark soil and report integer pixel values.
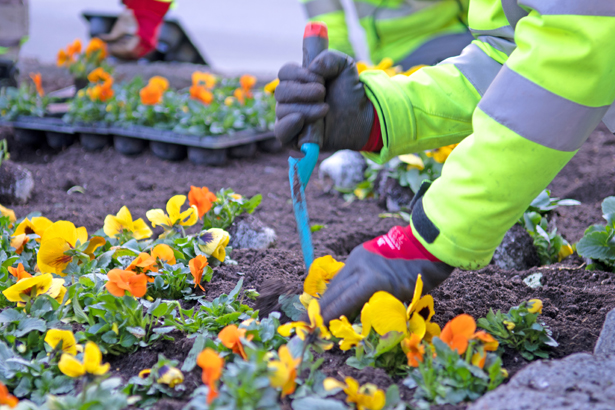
(575, 301)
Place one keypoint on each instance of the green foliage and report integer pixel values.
(22, 101)
(154, 386)
(120, 325)
(598, 243)
(245, 386)
(521, 330)
(174, 282)
(227, 207)
(213, 316)
(551, 246)
(96, 396)
(449, 378)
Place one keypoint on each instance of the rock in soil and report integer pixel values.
(16, 183)
(606, 342)
(392, 196)
(249, 232)
(517, 251)
(342, 170)
(578, 382)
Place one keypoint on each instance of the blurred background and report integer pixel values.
(232, 35)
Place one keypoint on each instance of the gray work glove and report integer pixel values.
(329, 88)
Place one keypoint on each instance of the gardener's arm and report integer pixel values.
(550, 95)
(135, 32)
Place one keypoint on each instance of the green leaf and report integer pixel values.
(235, 291)
(316, 228)
(596, 245)
(29, 325)
(197, 348)
(288, 306)
(388, 342)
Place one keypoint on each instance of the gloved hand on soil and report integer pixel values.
(390, 263)
(135, 33)
(329, 88)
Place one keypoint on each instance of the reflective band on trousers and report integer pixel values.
(476, 66)
(502, 38)
(319, 7)
(537, 114)
(609, 119)
(513, 12)
(572, 7)
(384, 13)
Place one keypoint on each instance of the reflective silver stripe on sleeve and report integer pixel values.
(317, 8)
(502, 38)
(572, 7)
(513, 12)
(407, 8)
(609, 118)
(476, 66)
(538, 114)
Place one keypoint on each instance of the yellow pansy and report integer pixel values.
(40, 284)
(413, 69)
(413, 161)
(55, 336)
(270, 87)
(170, 376)
(534, 306)
(216, 240)
(92, 362)
(564, 252)
(8, 212)
(322, 271)
(509, 325)
(351, 335)
(284, 371)
(441, 154)
(174, 216)
(366, 397)
(303, 329)
(38, 225)
(59, 238)
(122, 222)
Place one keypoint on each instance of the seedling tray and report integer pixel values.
(168, 145)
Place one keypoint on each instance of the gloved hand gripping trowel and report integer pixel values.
(315, 41)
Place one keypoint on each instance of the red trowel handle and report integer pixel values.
(315, 41)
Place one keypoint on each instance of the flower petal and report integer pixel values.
(71, 366)
(388, 314)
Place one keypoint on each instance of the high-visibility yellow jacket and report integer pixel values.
(393, 28)
(521, 100)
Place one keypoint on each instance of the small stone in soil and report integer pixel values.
(517, 251)
(249, 232)
(342, 170)
(606, 342)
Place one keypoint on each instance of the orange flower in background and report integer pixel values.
(204, 79)
(98, 75)
(212, 365)
(6, 398)
(202, 198)
(247, 82)
(74, 48)
(38, 82)
(164, 253)
(122, 281)
(489, 342)
(240, 95)
(101, 92)
(19, 272)
(159, 82)
(143, 263)
(458, 332)
(202, 94)
(197, 265)
(18, 242)
(231, 336)
(413, 349)
(95, 45)
(479, 359)
(63, 59)
(151, 95)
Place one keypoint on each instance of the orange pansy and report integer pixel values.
(121, 281)
(202, 94)
(19, 272)
(212, 365)
(202, 198)
(489, 342)
(205, 79)
(95, 45)
(6, 398)
(18, 242)
(231, 336)
(74, 48)
(247, 82)
(240, 95)
(458, 332)
(414, 349)
(151, 95)
(38, 82)
(197, 265)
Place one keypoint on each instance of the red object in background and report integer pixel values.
(374, 143)
(316, 29)
(149, 15)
